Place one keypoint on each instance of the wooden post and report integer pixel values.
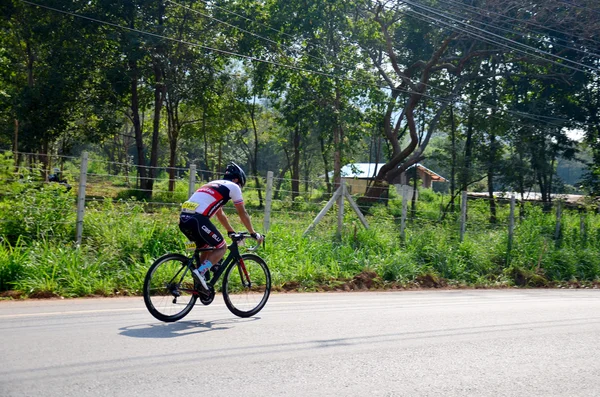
(81, 197)
(582, 229)
(404, 212)
(558, 222)
(511, 228)
(323, 211)
(340, 218)
(192, 182)
(16, 143)
(340, 194)
(463, 216)
(268, 202)
(356, 209)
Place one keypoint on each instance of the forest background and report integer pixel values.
(487, 93)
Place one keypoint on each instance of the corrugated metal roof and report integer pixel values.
(369, 170)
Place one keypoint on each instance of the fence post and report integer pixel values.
(582, 228)
(463, 216)
(511, 228)
(404, 211)
(558, 222)
(268, 201)
(340, 220)
(192, 182)
(81, 197)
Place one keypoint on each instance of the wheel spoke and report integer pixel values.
(169, 288)
(247, 285)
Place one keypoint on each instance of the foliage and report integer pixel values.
(38, 213)
(298, 88)
(122, 238)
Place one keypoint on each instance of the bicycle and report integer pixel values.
(170, 291)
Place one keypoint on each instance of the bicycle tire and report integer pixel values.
(169, 292)
(241, 299)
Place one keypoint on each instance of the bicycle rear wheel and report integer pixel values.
(169, 292)
(247, 285)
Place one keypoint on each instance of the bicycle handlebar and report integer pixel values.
(240, 237)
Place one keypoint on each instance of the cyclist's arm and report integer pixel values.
(224, 221)
(244, 217)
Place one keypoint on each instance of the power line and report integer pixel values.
(428, 85)
(555, 40)
(498, 37)
(486, 106)
(225, 52)
(572, 4)
(278, 45)
(483, 12)
(247, 19)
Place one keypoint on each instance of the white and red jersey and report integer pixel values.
(209, 198)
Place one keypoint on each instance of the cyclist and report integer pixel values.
(194, 220)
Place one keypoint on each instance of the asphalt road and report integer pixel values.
(417, 343)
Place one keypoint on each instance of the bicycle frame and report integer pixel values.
(234, 254)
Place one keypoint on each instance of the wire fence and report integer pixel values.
(92, 181)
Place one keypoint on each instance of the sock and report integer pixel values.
(204, 266)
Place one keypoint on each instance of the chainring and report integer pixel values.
(207, 297)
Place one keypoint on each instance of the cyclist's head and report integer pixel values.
(234, 171)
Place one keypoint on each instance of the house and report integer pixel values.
(358, 175)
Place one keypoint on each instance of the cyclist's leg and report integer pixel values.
(188, 225)
(200, 229)
(211, 235)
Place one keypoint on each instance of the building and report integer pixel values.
(358, 175)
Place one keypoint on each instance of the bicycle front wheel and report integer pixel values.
(247, 285)
(169, 291)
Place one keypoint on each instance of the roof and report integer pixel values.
(369, 170)
(361, 170)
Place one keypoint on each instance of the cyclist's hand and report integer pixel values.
(258, 237)
(230, 233)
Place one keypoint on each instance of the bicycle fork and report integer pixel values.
(244, 276)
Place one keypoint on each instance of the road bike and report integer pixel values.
(170, 291)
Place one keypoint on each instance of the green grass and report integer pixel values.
(122, 238)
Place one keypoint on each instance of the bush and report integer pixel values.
(33, 214)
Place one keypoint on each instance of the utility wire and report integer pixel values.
(499, 37)
(555, 40)
(225, 52)
(277, 45)
(522, 114)
(247, 19)
(572, 4)
(483, 12)
(485, 106)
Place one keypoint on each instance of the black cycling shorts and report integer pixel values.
(200, 229)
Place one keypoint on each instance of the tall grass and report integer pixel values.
(122, 238)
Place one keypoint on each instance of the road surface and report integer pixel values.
(410, 343)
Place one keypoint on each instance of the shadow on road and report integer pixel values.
(181, 328)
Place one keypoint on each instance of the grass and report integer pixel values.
(122, 238)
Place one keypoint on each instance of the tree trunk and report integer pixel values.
(277, 194)
(159, 90)
(205, 136)
(173, 134)
(296, 162)
(453, 161)
(468, 148)
(137, 126)
(337, 155)
(325, 165)
(254, 157)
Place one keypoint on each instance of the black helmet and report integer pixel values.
(235, 171)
